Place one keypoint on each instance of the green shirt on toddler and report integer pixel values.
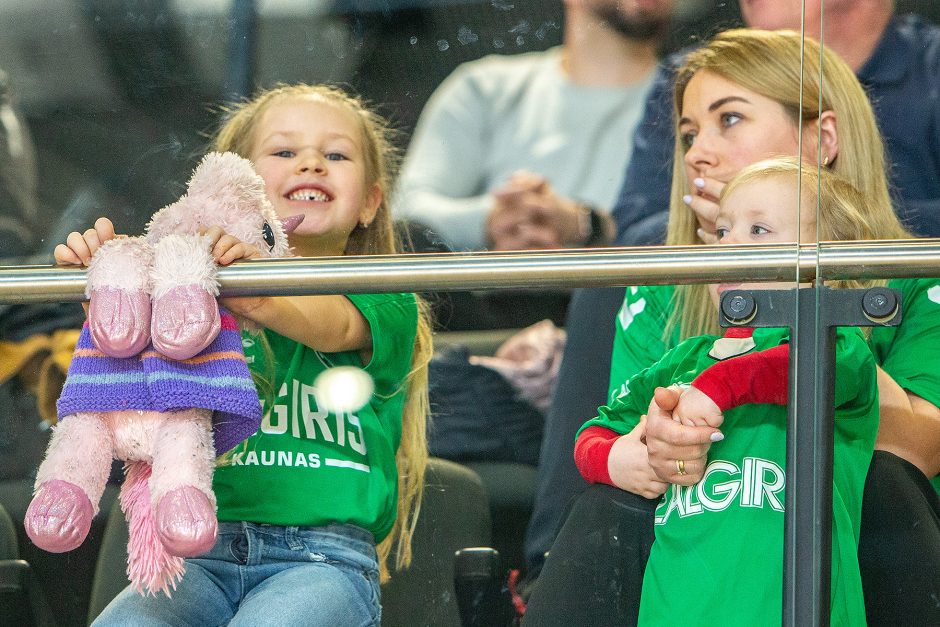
(909, 353)
(718, 554)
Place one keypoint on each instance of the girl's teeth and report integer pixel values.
(309, 194)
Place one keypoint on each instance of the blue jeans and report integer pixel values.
(259, 575)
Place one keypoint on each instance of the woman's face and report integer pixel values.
(725, 127)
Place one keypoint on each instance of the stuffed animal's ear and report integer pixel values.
(225, 170)
(223, 190)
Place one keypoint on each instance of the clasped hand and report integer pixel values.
(528, 214)
(681, 424)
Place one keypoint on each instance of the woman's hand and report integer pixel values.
(629, 466)
(704, 202)
(669, 442)
(79, 248)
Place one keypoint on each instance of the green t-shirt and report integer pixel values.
(910, 353)
(308, 467)
(638, 333)
(721, 540)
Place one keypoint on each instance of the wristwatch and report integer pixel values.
(592, 226)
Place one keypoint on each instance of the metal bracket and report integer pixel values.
(812, 315)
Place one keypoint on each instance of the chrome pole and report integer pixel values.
(665, 265)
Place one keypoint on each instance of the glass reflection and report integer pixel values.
(107, 106)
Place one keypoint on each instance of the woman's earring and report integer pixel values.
(826, 160)
(365, 225)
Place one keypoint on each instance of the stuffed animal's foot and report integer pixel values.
(185, 321)
(119, 321)
(119, 287)
(59, 516)
(186, 522)
(185, 313)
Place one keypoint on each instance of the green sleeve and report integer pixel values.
(393, 323)
(638, 333)
(910, 353)
(679, 365)
(623, 413)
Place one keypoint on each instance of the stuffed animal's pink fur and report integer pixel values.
(158, 288)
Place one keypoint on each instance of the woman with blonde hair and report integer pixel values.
(832, 117)
(740, 99)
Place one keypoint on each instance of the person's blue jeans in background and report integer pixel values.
(259, 575)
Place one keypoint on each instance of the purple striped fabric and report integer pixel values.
(217, 379)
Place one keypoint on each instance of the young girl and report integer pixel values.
(303, 503)
(724, 534)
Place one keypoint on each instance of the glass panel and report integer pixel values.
(106, 107)
(896, 195)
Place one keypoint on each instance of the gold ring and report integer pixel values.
(680, 467)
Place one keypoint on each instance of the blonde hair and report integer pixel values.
(768, 63)
(236, 134)
(841, 211)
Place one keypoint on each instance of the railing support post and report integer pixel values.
(812, 315)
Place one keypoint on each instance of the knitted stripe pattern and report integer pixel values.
(216, 379)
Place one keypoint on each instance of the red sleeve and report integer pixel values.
(760, 377)
(591, 452)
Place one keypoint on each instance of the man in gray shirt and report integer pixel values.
(528, 151)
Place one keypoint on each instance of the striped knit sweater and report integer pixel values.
(217, 379)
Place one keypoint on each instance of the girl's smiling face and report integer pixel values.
(725, 127)
(309, 153)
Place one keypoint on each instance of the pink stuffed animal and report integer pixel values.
(158, 373)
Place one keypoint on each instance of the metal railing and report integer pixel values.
(665, 265)
(806, 563)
